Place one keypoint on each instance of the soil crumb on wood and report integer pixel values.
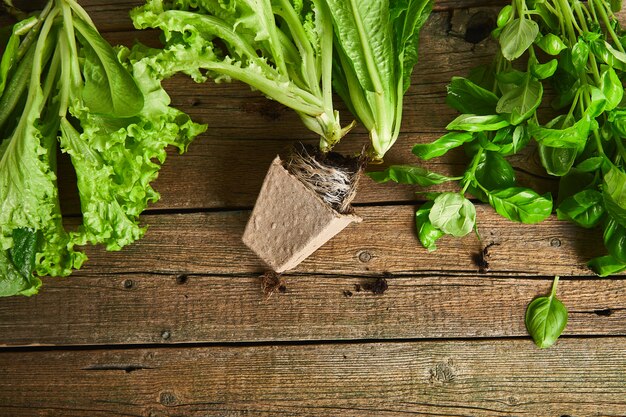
(272, 282)
(347, 293)
(481, 258)
(378, 287)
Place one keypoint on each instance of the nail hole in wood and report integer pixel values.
(479, 27)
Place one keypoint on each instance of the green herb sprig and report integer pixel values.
(578, 50)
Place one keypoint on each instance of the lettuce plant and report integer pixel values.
(63, 86)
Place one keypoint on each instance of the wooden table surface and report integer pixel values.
(176, 325)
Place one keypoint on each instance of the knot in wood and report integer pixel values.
(167, 398)
(365, 256)
(555, 242)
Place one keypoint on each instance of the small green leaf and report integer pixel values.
(517, 36)
(546, 317)
(475, 123)
(615, 240)
(574, 136)
(453, 214)
(543, 71)
(580, 55)
(442, 145)
(557, 161)
(612, 88)
(550, 44)
(521, 102)
(521, 204)
(467, 97)
(585, 208)
(426, 232)
(606, 265)
(511, 140)
(590, 164)
(614, 193)
(494, 172)
(408, 174)
(504, 16)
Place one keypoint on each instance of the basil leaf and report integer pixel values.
(543, 71)
(475, 123)
(467, 97)
(585, 208)
(442, 145)
(580, 55)
(550, 44)
(612, 88)
(517, 37)
(408, 174)
(615, 240)
(504, 16)
(557, 161)
(426, 232)
(546, 317)
(572, 137)
(521, 204)
(521, 102)
(606, 265)
(109, 88)
(511, 140)
(453, 214)
(614, 193)
(494, 172)
(590, 164)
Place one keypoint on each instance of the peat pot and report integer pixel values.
(290, 221)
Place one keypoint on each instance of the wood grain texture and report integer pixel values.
(210, 243)
(577, 377)
(141, 309)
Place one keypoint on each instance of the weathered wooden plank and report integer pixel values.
(139, 309)
(577, 377)
(210, 243)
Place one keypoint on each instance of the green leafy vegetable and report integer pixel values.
(406, 174)
(377, 50)
(546, 317)
(64, 87)
(453, 214)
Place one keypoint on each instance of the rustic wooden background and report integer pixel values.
(176, 325)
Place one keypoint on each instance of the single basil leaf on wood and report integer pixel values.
(612, 88)
(585, 208)
(408, 174)
(557, 161)
(614, 193)
(521, 102)
(467, 97)
(453, 214)
(606, 265)
(517, 36)
(543, 71)
(109, 88)
(615, 240)
(442, 145)
(551, 44)
(494, 172)
(426, 232)
(475, 123)
(521, 204)
(580, 55)
(546, 317)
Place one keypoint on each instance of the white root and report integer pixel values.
(335, 185)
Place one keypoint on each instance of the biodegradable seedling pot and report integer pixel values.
(289, 221)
